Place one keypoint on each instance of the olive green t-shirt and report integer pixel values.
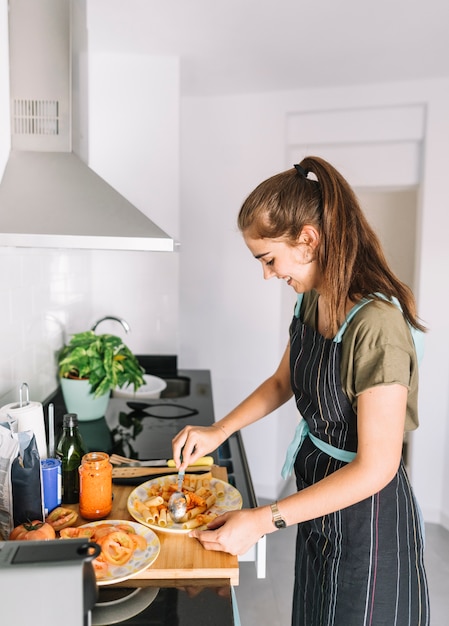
(377, 349)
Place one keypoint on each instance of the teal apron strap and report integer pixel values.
(336, 453)
(301, 432)
(298, 304)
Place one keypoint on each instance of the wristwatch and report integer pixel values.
(278, 520)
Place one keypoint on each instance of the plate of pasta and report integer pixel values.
(207, 498)
(127, 548)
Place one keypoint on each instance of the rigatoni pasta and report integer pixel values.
(201, 492)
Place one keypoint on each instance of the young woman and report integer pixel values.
(352, 365)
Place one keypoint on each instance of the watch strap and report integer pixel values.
(277, 518)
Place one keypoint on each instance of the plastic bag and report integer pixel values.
(9, 449)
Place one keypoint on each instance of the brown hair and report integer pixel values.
(350, 255)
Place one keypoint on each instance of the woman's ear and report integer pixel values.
(309, 236)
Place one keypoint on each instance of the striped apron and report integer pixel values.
(362, 565)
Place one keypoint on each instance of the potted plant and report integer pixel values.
(90, 366)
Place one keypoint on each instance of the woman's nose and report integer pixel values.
(268, 272)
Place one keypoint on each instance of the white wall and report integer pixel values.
(133, 143)
(44, 295)
(235, 142)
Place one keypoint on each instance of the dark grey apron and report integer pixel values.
(363, 565)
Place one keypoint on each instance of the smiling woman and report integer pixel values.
(352, 366)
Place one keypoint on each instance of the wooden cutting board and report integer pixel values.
(182, 560)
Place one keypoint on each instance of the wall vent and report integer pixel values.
(35, 117)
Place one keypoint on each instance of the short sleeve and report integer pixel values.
(378, 349)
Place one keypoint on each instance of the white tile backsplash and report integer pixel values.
(44, 295)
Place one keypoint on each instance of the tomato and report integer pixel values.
(101, 530)
(32, 531)
(116, 548)
(75, 533)
(101, 568)
(61, 518)
(140, 543)
(126, 528)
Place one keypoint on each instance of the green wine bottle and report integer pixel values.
(70, 450)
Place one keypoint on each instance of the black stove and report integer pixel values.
(144, 430)
(212, 606)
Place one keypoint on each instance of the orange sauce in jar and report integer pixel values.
(95, 486)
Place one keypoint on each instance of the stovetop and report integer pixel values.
(210, 606)
(144, 430)
(147, 432)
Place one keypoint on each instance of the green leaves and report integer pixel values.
(102, 359)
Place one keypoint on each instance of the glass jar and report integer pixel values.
(95, 486)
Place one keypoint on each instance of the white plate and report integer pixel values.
(152, 388)
(231, 501)
(124, 608)
(140, 560)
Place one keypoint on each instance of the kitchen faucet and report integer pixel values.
(121, 321)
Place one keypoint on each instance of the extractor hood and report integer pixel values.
(49, 197)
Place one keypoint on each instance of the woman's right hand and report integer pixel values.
(194, 442)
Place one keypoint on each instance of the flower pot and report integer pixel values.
(79, 400)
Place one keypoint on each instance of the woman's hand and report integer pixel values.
(235, 532)
(194, 442)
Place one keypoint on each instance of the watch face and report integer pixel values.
(279, 523)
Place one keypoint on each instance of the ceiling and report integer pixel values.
(244, 46)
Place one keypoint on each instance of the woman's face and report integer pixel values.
(294, 263)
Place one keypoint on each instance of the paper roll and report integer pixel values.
(30, 416)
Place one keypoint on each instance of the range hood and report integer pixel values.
(49, 197)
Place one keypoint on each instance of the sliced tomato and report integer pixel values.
(73, 533)
(139, 541)
(116, 548)
(100, 567)
(101, 530)
(126, 528)
(61, 518)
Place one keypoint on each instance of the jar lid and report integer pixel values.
(95, 457)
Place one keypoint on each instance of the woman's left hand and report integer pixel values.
(235, 532)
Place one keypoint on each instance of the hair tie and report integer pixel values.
(301, 171)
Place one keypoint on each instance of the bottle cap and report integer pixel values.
(70, 419)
